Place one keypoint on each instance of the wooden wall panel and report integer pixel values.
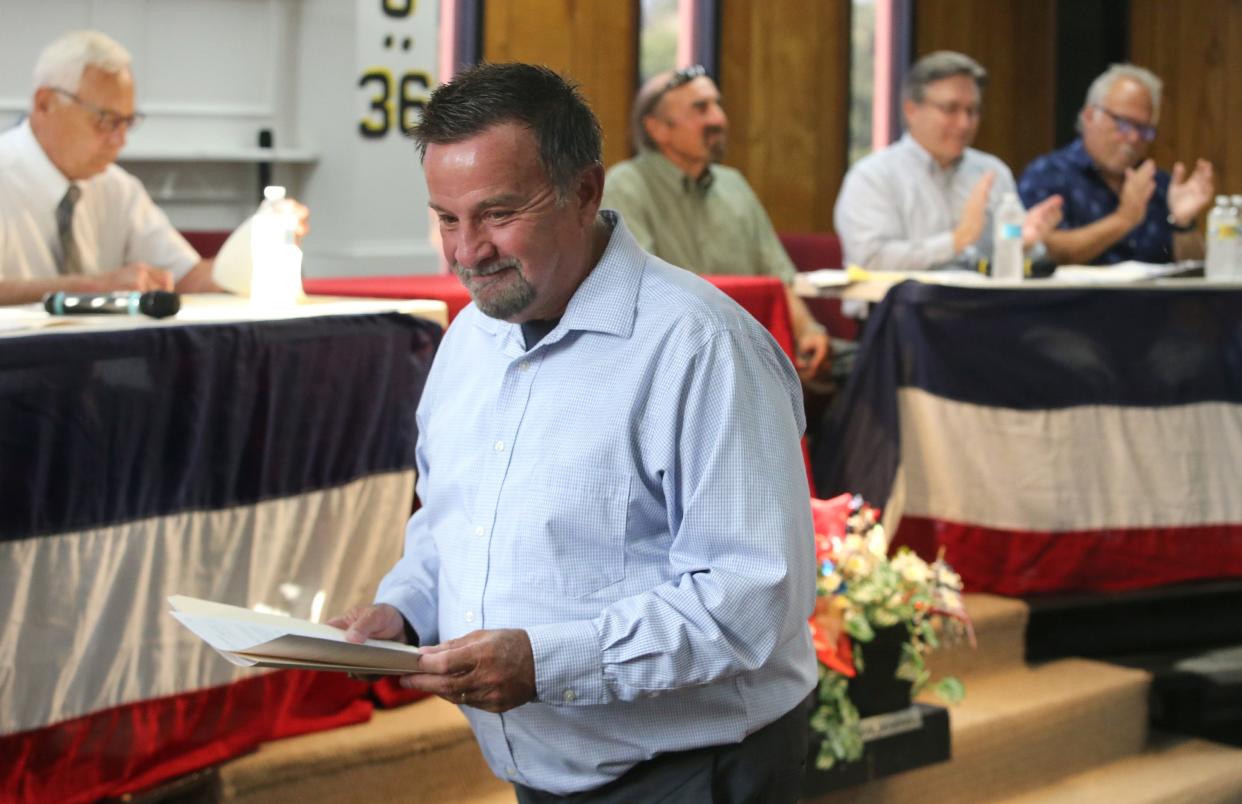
(1195, 46)
(1015, 40)
(784, 74)
(595, 43)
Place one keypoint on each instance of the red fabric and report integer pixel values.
(1007, 562)
(135, 746)
(441, 287)
(811, 251)
(761, 296)
(388, 694)
(206, 243)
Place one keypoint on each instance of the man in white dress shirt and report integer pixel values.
(70, 219)
(926, 201)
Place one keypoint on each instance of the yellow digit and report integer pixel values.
(381, 103)
(409, 105)
(398, 8)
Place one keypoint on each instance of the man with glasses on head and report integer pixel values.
(70, 219)
(1118, 205)
(927, 200)
(685, 208)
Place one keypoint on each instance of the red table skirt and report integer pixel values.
(1026, 562)
(132, 747)
(761, 296)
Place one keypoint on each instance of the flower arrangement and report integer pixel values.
(861, 590)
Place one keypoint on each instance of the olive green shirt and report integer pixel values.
(714, 225)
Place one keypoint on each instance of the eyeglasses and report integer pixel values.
(954, 109)
(106, 121)
(680, 78)
(1126, 126)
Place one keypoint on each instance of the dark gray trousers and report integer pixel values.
(765, 768)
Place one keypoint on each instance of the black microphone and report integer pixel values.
(155, 303)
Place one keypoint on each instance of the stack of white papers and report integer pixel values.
(252, 639)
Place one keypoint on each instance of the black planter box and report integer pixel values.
(895, 742)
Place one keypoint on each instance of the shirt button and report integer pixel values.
(570, 696)
(479, 531)
(510, 771)
(470, 616)
(499, 446)
(524, 365)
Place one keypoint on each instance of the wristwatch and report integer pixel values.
(1189, 226)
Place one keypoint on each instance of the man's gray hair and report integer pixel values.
(62, 63)
(645, 103)
(938, 66)
(1140, 75)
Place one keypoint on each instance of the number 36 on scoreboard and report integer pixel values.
(393, 103)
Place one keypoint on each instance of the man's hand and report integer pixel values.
(135, 276)
(1188, 196)
(974, 213)
(299, 211)
(380, 621)
(1136, 190)
(1040, 220)
(489, 670)
(813, 349)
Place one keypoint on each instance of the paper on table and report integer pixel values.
(1128, 271)
(250, 638)
(234, 264)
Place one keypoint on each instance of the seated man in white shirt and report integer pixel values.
(927, 200)
(70, 219)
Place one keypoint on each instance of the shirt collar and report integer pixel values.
(1078, 156)
(47, 184)
(673, 175)
(607, 299)
(924, 158)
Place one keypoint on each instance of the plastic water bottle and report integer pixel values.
(276, 259)
(1235, 201)
(1007, 257)
(1222, 240)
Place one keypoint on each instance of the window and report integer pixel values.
(657, 37)
(862, 77)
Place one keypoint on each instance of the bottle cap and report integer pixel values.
(274, 192)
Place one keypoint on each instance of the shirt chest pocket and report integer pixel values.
(571, 534)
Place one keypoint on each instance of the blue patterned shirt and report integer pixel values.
(1086, 198)
(631, 493)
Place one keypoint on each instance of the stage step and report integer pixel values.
(423, 752)
(1166, 618)
(1020, 727)
(1174, 770)
(1000, 635)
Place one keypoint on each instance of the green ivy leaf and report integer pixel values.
(950, 690)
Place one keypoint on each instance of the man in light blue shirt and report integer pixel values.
(613, 564)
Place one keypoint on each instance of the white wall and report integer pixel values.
(211, 74)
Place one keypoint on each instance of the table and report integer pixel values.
(268, 463)
(1051, 438)
(762, 296)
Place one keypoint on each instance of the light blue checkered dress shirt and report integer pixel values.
(630, 492)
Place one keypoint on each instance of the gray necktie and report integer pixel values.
(69, 263)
